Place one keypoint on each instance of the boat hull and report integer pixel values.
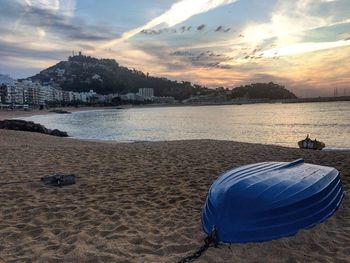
(270, 200)
(309, 144)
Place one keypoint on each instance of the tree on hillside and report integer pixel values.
(262, 91)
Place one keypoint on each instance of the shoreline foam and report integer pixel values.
(15, 114)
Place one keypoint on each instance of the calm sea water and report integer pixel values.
(280, 124)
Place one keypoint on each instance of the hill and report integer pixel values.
(270, 91)
(83, 73)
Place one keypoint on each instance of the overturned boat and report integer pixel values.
(270, 200)
(307, 143)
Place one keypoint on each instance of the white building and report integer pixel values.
(15, 94)
(131, 97)
(57, 95)
(68, 96)
(33, 93)
(146, 93)
(86, 96)
(48, 93)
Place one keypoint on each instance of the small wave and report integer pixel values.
(335, 149)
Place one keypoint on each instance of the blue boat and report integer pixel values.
(270, 200)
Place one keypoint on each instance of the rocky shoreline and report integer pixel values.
(29, 126)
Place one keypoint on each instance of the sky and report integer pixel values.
(301, 44)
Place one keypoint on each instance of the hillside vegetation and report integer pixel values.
(270, 91)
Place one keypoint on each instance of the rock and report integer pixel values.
(21, 125)
(58, 133)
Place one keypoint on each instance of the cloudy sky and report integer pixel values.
(303, 44)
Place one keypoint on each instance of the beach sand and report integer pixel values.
(141, 202)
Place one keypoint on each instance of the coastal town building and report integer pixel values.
(131, 97)
(34, 93)
(86, 96)
(3, 93)
(28, 92)
(14, 94)
(164, 100)
(146, 93)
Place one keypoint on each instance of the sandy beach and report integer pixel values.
(141, 202)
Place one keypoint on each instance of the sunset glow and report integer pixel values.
(302, 44)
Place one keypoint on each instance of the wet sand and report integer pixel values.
(141, 202)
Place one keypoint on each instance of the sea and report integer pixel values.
(277, 124)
